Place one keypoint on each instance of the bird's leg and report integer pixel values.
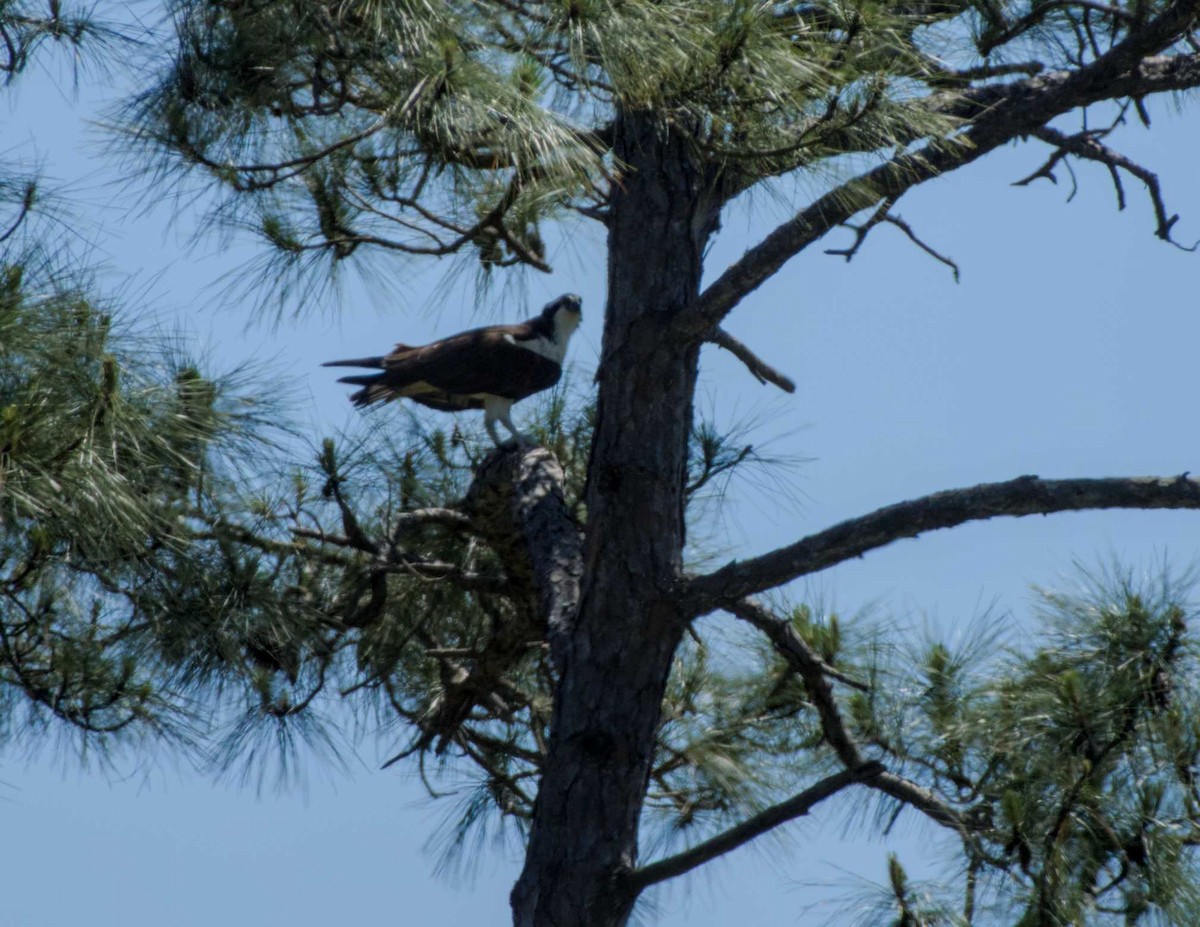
(490, 424)
(522, 440)
(498, 410)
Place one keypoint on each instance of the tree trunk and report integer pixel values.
(619, 652)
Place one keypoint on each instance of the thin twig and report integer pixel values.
(861, 231)
(907, 230)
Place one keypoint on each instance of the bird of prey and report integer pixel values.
(486, 368)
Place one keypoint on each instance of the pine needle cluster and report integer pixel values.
(437, 129)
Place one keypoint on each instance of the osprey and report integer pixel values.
(485, 368)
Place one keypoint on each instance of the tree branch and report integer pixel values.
(916, 240)
(925, 801)
(816, 673)
(809, 667)
(996, 114)
(1026, 495)
(766, 820)
(759, 369)
(1088, 145)
(447, 518)
(1039, 13)
(402, 562)
(883, 214)
(405, 564)
(769, 623)
(863, 230)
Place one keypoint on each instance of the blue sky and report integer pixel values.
(1068, 349)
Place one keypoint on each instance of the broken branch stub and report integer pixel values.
(517, 503)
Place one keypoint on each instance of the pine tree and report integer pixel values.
(533, 613)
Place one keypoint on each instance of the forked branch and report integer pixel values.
(884, 214)
(1087, 145)
(816, 674)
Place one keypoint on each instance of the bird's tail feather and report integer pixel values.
(363, 379)
(375, 362)
(372, 389)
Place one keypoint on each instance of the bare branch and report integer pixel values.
(862, 231)
(1046, 172)
(997, 114)
(766, 820)
(759, 369)
(1026, 495)
(1087, 145)
(883, 214)
(907, 230)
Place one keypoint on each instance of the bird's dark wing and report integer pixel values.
(486, 360)
(446, 402)
(453, 373)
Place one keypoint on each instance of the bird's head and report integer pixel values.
(565, 314)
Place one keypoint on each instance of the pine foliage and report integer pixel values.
(105, 450)
(466, 127)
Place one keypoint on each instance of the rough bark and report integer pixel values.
(618, 655)
(517, 500)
